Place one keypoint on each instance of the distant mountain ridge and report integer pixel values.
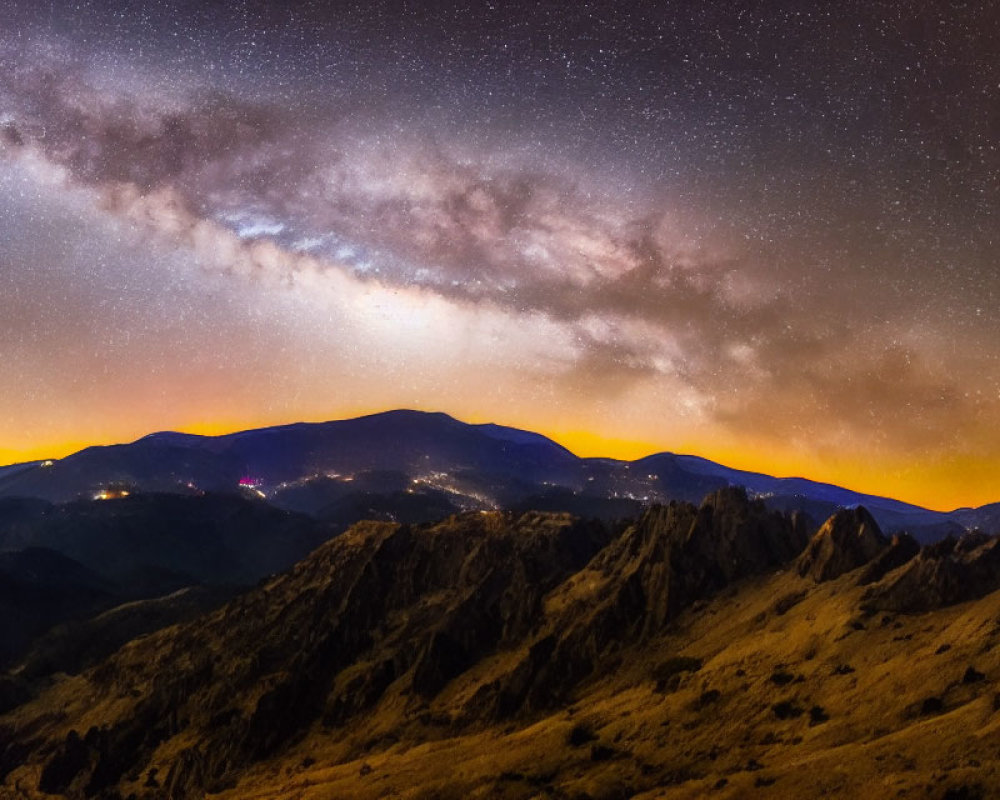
(64, 563)
(397, 458)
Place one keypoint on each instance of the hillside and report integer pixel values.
(712, 650)
(65, 563)
(39, 587)
(411, 466)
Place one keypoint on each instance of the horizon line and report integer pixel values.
(548, 436)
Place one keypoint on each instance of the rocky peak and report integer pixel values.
(847, 540)
(675, 555)
(741, 536)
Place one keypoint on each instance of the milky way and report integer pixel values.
(767, 236)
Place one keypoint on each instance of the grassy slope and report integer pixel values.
(673, 738)
(875, 743)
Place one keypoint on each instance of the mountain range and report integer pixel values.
(405, 605)
(723, 649)
(414, 466)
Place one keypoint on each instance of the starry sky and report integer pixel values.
(765, 233)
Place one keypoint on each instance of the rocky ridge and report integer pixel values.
(485, 621)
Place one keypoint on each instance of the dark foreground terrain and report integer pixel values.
(725, 650)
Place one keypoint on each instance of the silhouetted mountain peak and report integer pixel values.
(473, 466)
(846, 541)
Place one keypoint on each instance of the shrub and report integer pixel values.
(580, 734)
(786, 709)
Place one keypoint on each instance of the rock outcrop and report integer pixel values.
(901, 549)
(846, 541)
(546, 599)
(487, 623)
(948, 572)
(673, 556)
(381, 603)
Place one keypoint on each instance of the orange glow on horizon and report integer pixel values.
(941, 487)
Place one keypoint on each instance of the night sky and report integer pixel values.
(765, 233)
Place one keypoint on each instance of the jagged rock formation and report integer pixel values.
(846, 541)
(673, 556)
(683, 650)
(902, 547)
(416, 607)
(322, 643)
(951, 571)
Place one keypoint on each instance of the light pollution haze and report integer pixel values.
(768, 236)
